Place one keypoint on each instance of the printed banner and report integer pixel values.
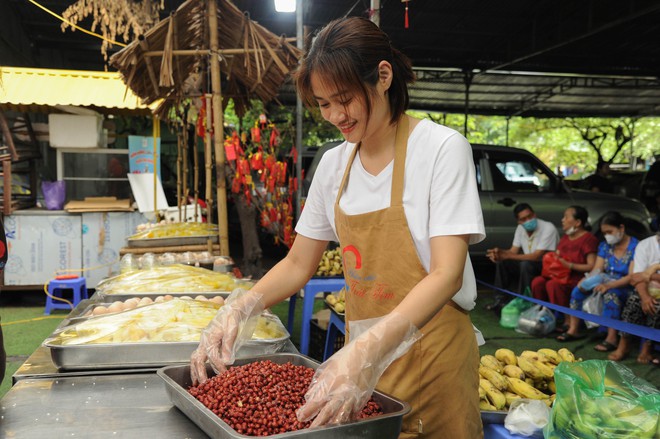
(141, 154)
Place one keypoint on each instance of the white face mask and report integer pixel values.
(613, 239)
(572, 230)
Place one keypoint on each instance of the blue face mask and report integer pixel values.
(530, 225)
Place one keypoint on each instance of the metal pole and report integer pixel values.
(299, 113)
(375, 12)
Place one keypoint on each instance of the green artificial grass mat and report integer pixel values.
(26, 327)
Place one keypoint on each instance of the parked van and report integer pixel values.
(507, 176)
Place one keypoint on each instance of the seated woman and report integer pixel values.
(577, 252)
(614, 260)
(643, 307)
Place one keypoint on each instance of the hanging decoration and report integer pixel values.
(262, 179)
(405, 17)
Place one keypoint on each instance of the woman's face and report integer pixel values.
(348, 112)
(568, 220)
(606, 229)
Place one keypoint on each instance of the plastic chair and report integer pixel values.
(55, 289)
(311, 289)
(335, 324)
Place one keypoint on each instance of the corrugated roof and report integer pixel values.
(24, 88)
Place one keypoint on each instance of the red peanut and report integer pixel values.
(261, 398)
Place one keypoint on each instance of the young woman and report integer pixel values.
(400, 196)
(614, 261)
(576, 250)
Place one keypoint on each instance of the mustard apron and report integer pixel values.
(438, 376)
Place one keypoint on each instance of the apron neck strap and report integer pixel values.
(400, 147)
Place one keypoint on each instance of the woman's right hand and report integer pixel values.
(230, 328)
(648, 304)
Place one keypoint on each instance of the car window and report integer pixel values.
(514, 172)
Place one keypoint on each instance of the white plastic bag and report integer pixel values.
(537, 320)
(593, 305)
(527, 417)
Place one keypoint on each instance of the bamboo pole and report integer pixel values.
(179, 141)
(218, 132)
(200, 52)
(185, 168)
(208, 159)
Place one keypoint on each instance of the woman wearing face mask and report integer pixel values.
(577, 251)
(613, 263)
(400, 196)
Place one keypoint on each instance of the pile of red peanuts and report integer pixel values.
(261, 398)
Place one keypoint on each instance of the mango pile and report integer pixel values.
(330, 264)
(506, 377)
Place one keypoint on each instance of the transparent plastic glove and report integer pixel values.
(344, 383)
(231, 327)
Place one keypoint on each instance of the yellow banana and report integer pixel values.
(525, 390)
(485, 405)
(497, 379)
(494, 396)
(552, 355)
(530, 369)
(514, 371)
(506, 356)
(529, 381)
(492, 362)
(547, 371)
(482, 393)
(510, 397)
(549, 401)
(530, 355)
(566, 355)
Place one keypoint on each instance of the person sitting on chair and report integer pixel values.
(516, 267)
(643, 306)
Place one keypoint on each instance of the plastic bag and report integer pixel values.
(554, 269)
(527, 417)
(602, 399)
(537, 320)
(593, 305)
(593, 279)
(54, 194)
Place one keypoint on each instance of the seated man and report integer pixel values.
(643, 307)
(517, 266)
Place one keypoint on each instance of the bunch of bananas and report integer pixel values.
(618, 413)
(506, 376)
(337, 301)
(330, 264)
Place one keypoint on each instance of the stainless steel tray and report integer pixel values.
(386, 426)
(104, 356)
(493, 417)
(102, 297)
(170, 242)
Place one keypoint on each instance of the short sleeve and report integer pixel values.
(517, 237)
(590, 244)
(548, 238)
(454, 203)
(314, 220)
(602, 250)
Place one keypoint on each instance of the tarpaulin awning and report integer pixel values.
(29, 90)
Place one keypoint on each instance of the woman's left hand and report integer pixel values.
(343, 384)
(602, 288)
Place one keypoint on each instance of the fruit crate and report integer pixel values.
(317, 336)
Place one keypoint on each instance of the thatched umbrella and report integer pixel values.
(166, 61)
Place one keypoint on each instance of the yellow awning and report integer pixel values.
(28, 89)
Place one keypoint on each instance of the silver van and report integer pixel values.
(507, 176)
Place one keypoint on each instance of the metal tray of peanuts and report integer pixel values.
(386, 426)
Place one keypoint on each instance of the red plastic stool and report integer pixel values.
(55, 288)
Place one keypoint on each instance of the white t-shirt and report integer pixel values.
(439, 198)
(545, 237)
(647, 253)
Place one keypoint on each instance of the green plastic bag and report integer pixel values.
(604, 400)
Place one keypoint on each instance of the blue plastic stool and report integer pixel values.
(55, 288)
(313, 287)
(335, 324)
